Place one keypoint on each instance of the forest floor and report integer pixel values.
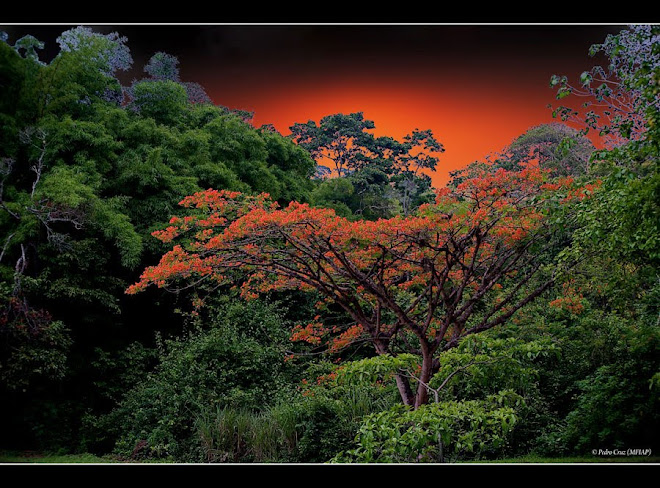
(10, 457)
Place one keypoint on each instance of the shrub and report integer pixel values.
(231, 365)
(436, 432)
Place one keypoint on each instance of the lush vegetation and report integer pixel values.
(178, 285)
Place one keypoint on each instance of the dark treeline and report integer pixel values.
(91, 168)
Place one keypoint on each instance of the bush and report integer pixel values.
(310, 424)
(231, 365)
(309, 431)
(618, 405)
(436, 432)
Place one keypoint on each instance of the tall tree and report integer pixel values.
(416, 157)
(557, 147)
(388, 176)
(340, 140)
(624, 217)
(163, 66)
(419, 284)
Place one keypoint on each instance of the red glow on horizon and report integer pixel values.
(470, 118)
(470, 126)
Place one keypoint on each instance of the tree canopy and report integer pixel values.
(179, 285)
(407, 283)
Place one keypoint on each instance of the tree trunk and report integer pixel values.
(422, 396)
(405, 391)
(441, 453)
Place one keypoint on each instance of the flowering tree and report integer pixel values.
(418, 284)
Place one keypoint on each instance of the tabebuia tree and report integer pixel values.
(419, 284)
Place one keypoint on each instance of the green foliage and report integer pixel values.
(27, 355)
(436, 432)
(311, 424)
(33, 347)
(556, 147)
(236, 364)
(116, 226)
(601, 389)
(335, 193)
(84, 181)
(113, 373)
(596, 392)
(342, 139)
(479, 367)
(484, 365)
(161, 100)
(375, 369)
(373, 198)
(376, 177)
(615, 408)
(305, 431)
(623, 216)
(14, 74)
(614, 402)
(83, 73)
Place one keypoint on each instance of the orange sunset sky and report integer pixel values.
(468, 125)
(476, 86)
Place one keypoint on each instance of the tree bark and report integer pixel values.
(405, 391)
(422, 396)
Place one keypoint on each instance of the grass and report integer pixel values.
(32, 457)
(11, 457)
(531, 459)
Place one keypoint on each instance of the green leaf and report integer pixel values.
(563, 92)
(586, 78)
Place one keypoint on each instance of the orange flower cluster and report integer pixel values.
(311, 333)
(326, 378)
(572, 304)
(345, 338)
(571, 299)
(452, 251)
(583, 192)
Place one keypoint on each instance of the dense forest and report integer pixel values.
(177, 284)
